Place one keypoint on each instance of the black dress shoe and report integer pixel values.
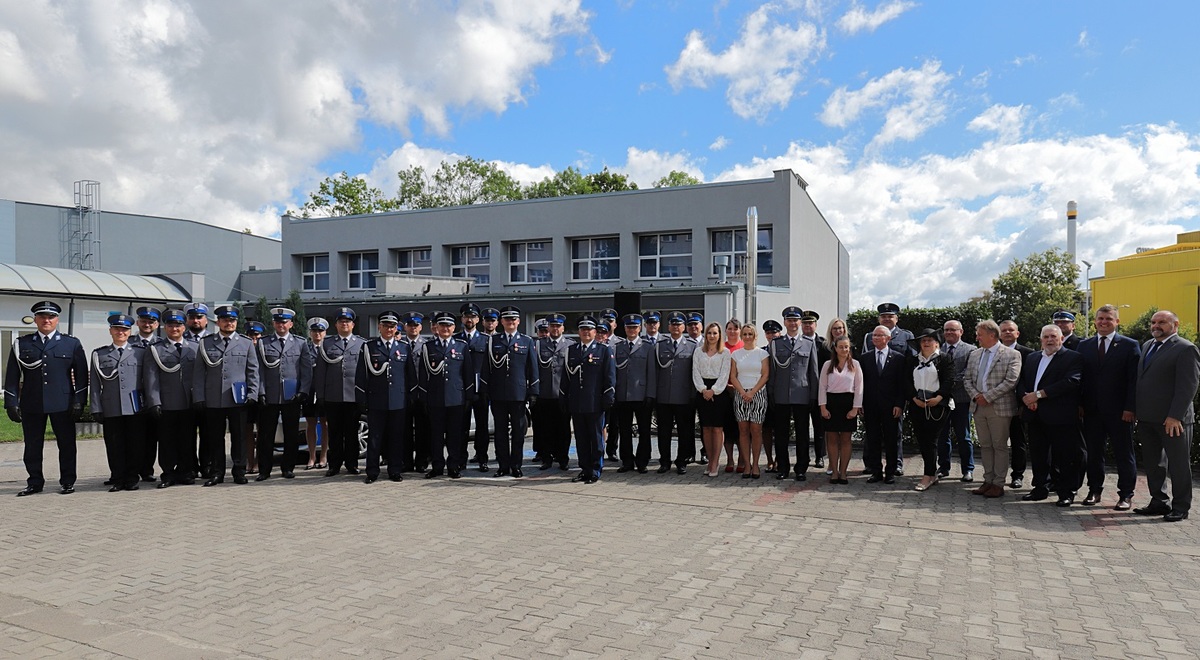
(1092, 498)
(262, 477)
(875, 478)
(624, 468)
(643, 470)
(1175, 516)
(564, 466)
(683, 470)
(663, 469)
(370, 480)
(899, 472)
(593, 479)
(396, 477)
(213, 482)
(289, 475)
(332, 472)
(1017, 483)
(1152, 510)
(132, 486)
(546, 465)
(28, 490)
(239, 480)
(820, 462)
(800, 476)
(516, 472)
(889, 479)
(67, 489)
(501, 473)
(164, 484)
(110, 481)
(1035, 495)
(703, 460)
(578, 478)
(455, 474)
(781, 476)
(1123, 504)
(190, 481)
(432, 473)
(149, 477)
(1065, 501)
(354, 471)
(483, 467)
(114, 489)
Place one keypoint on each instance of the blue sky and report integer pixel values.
(940, 139)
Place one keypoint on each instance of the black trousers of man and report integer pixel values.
(818, 425)
(879, 439)
(511, 424)
(149, 448)
(552, 430)
(479, 408)
(1018, 447)
(176, 445)
(415, 456)
(342, 424)
(1099, 430)
(626, 412)
(386, 437)
(216, 420)
(269, 416)
(448, 438)
(33, 427)
(680, 417)
(124, 441)
(203, 451)
(785, 414)
(1047, 472)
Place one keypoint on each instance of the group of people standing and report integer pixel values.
(1057, 408)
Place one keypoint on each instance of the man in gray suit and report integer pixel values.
(116, 383)
(1168, 374)
(990, 380)
(224, 379)
(167, 375)
(333, 386)
(792, 390)
(957, 432)
(636, 384)
(285, 366)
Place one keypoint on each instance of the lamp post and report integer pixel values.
(1087, 297)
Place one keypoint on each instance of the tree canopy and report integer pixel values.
(1032, 289)
(676, 178)
(459, 183)
(345, 195)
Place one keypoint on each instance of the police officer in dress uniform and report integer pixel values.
(317, 431)
(1065, 320)
(147, 333)
(589, 387)
(612, 433)
(225, 378)
(792, 387)
(510, 374)
(651, 319)
(635, 389)
(196, 321)
(47, 377)
(117, 391)
(476, 340)
(167, 375)
(147, 327)
(808, 327)
(285, 368)
(333, 387)
(415, 457)
(489, 320)
(384, 380)
(551, 421)
(675, 395)
(445, 383)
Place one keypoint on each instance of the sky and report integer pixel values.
(940, 140)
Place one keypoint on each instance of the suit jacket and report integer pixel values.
(898, 342)
(883, 390)
(637, 379)
(590, 381)
(1060, 382)
(962, 351)
(1166, 384)
(446, 378)
(550, 365)
(673, 367)
(510, 369)
(286, 369)
(167, 374)
(116, 381)
(793, 378)
(336, 368)
(384, 377)
(224, 374)
(46, 378)
(1108, 386)
(1000, 383)
(1072, 342)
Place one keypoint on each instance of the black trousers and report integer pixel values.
(589, 442)
(1099, 429)
(149, 446)
(415, 455)
(176, 445)
(386, 437)
(879, 439)
(342, 424)
(626, 412)
(785, 414)
(268, 420)
(1047, 471)
(124, 443)
(203, 451)
(448, 437)
(482, 436)
(927, 427)
(1018, 447)
(215, 422)
(552, 430)
(818, 426)
(33, 427)
(511, 425)
(680, 417)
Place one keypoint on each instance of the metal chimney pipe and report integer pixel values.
(751, 264)
(1072, 213)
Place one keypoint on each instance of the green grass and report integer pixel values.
(10, 431)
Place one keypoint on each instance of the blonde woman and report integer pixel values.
(710, 375)
(748, 373)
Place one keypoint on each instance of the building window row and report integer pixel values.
(593, 259)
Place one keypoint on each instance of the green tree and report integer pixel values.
(300, 322)
(345, 195)
(676, 178)
(606, 182)
(262, 311)
(1032, 289)
(567, 182)
(460, 183)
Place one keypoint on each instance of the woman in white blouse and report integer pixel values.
(748, 378)
(840, 395)
(710, 375)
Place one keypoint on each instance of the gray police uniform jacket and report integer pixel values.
(793, 371)
(550, 365)
(225, 376)
(673, 366)
(636, 375)
(336, 368)
(116, 380)
(46, 378)
(141, 342)
(962, 351)
(167, 374)
(284, 368)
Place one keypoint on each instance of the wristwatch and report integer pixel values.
(1041, 394)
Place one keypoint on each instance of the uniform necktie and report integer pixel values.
(345, 343)
(791, 341)
(120, 353)
(226, 342)
(1102, 348)
(950, 350)
(178, 348)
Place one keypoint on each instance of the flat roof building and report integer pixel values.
(1164, 278)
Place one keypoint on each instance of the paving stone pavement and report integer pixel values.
(635, 566)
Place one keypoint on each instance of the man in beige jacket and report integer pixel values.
(990, 380)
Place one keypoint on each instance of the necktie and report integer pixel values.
(178, 348)
(226, 342)
(791, 341)
(882, 359)
(985, 362)
(120, 353)
(950, 350)
(1153, 349)
(345, 343)
(1102, 348)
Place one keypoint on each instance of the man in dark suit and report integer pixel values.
(883, 402)
(1167, 378)
(1049, 391)
(384, 376)
(446, 374)
(960, 418)
(1018, 443)
(510, 372)
(1107, 389)
(589, 387)
(46, 378)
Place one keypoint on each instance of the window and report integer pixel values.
(472, 261)
(360, 269)
(732, 243)
(596, 258)
(665, 255)
(314, 272)
(414, 262)
(530, 263)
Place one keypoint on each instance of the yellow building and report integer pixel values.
(1166, 278)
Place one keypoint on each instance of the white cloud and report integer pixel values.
(644, 167)
(720, 143)
(916, 99)
(1083, 41)
(185, 108)
(763, 67)
(858, 18)
(594, 50)
(1026, 59)
(953, 223)
(1006, 121)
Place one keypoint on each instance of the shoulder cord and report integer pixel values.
(158, 360)
(437, 370)
(387, 366)
(325, 356)
(545, 363)
(204, 354)
(99, 371)
(30, 366)
(262, 353)
(578, 367)
(502, 362)
(775, 358)
(658, 359)
(622, 365)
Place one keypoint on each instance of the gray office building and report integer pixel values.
(647, 249)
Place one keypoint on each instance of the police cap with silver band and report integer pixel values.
(469, 309)
(148, 313)
(282, 314)
(771, 325)
(318, 323)
(489, 313)
(389, 316)
(631, 319)
(510, 312)
(172, 316)
(1063, 315)
(446, 318)
(675, 317)
(344, 313)
(603, 329)
(586, 322)
(888, 308)
(541, 325)
(255, 328)
(792, 312)
(196, 309)
(120, 321)
(46, 307)
(652, 316)
(226, 312)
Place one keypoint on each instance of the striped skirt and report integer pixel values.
(754, 411)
